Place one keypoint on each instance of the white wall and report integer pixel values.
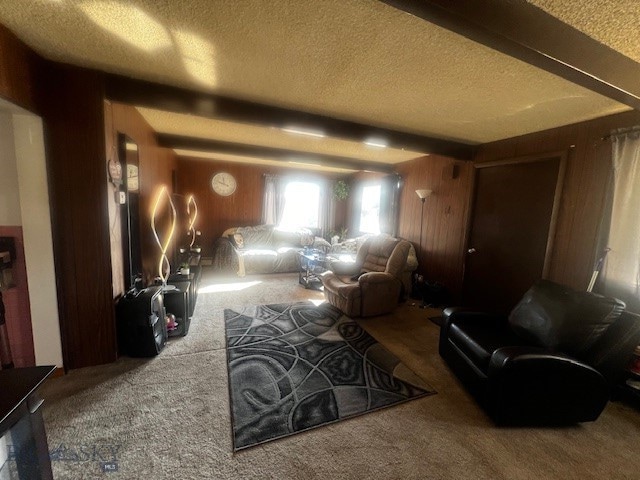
(38, 239)
(4, 455)
(9, 196)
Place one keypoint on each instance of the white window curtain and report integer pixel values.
(620, 276)
(327, 209)
(273, 201)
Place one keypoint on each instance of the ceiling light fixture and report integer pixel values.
(376, 142)
(304, 131)
(305, 163)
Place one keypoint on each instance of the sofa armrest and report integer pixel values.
(225, 255)
(543, 386)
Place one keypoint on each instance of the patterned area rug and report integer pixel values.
(297, 366)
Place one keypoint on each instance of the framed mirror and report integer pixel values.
(130, 210)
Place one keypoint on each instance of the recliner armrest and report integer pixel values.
(464, 313)
(537, 385)
(512, 357)
(376, 277)
(451, 314)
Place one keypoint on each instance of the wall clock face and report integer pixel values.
(223, 184)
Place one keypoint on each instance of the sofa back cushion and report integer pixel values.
(302, 237)
(260, 236)
(554, 316)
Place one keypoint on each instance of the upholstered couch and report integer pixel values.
(262, 249)
(373, 286)
(553, 360)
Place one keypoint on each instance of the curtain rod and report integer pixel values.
(619, 131)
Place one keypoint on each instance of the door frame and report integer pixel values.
(538, 157)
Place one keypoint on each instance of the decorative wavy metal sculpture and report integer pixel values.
(192, 206)
(164, 267)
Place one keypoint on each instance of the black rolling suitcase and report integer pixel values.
(140, 317)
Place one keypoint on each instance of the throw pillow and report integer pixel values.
(237, 240)
(321, 244)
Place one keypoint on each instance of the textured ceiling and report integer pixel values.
(358, 60)
(616, 23)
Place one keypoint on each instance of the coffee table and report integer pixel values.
(312, 264)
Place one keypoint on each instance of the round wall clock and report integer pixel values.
(223, 184)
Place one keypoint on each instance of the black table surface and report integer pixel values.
(16, 385)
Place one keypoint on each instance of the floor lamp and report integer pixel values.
(422, 194)
(164, 267)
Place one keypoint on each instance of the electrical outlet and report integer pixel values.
(121, 197)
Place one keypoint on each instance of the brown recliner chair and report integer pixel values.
(373, 286)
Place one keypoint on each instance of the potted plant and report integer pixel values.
(341, 190)
(184, 269)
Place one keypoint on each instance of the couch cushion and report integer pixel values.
(554, 316)
(478, 341)
(260, 236)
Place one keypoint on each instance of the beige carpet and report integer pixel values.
(168, 417)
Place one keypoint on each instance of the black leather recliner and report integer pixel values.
(553, 360)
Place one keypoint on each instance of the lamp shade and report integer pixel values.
(424, 193)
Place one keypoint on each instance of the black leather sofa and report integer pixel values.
(553, 360)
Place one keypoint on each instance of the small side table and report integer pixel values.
(312, 265)
(21, 418)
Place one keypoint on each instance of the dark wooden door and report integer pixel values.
(511, 229)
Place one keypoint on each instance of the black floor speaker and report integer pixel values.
(140, 317)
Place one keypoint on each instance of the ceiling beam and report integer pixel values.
(267, 153)
(529, 34)
(179, 100)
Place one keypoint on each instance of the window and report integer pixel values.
(370, 209)
(301, 206)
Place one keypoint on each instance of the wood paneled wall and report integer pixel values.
(243, 208)
(69, 100)
(441, 252)
(585, 183)
(156, 167)
(73, 113)
(19, 67)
